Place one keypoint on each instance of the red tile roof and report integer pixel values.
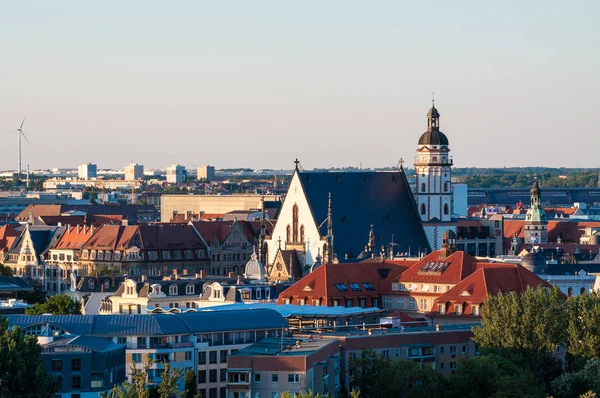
(489, 279)
(7, 236)
(455, 268)
(321, 283)
(170, 236)
(75, 237)
(112, 237)
(211, 230)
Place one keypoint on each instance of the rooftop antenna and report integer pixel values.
(21, 133)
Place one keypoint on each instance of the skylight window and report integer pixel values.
(341, 287)
(368, 286)
(355, 287)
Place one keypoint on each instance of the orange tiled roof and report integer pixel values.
(458, 266)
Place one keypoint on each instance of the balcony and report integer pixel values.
(434, 161)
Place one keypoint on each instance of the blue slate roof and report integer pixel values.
(359, 199)
(93, 343)
(156, 324)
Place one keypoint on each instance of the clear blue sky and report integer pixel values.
(259, 83)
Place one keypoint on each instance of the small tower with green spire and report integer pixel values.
(536, 225)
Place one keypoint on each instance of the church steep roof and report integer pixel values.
(359, 199)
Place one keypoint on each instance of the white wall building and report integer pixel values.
(206, 172)
(134, 172)
(176, 174)
(87, 171)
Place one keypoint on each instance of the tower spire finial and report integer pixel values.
(329, 231)
(432, 99)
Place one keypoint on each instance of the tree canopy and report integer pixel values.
(56, 305)
(21, 371)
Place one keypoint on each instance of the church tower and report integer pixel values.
(536, 225)
(433, 167)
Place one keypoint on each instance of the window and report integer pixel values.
(446, 211)
(445, 187)
(136, 358)
(368, 286)
(223, 356)
(172, 289)
(57, 365)
(188, 355)
(452, 365)
(423, 304)
(189, 289)
(355, 287)
(201, 357)
(341, 287)
(121, 340)
(212, 376)
(166, 255)
(475, 310)
(437, 289)
(76, 382)
(464, 348)
(293, 378)
(141, 341)
(458, 309)
(441, 309)
(452, 349)
(177, 254)
(442, 365)
(152, 256)
(223, 375)
(441, 349)
(363, 303)
(201, 376)
(423, 208)
(295, 222)
(412, 303)
(349, 303)
(257, 377)
(212, 357)
(76, 364)
(422, 187)
(274, 378)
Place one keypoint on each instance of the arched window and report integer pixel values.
(302, 233)
(423, 209)
(295, 222)
(446, 208)
(289, 234)
(422, 187)
(445, 187)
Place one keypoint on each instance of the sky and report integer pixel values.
(334, 83)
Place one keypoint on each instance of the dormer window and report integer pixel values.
(217, 293)
(172, 290)
(91, 284)
(107, 255)
(177, 254)
(152, 256)
(156, 289)
(106, 284)
(458, 309)
(189, 289)
(258, 294)
(130, 290)
(166, 255)
(465, 293)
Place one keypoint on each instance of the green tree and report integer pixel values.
(5, 271)
(492, 376)
(22, 372)
(56, 305)
(138, 388)
(525, 328)
(38, 295)
(379, 377)
(302, 394)
(191, 386)
(584, 326)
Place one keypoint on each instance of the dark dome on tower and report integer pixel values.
(535, 262)
(433, 135)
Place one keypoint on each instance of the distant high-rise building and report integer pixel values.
(206, 172)
(134, 172)
(87, 171)
(176, 174)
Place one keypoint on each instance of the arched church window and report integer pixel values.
(445, 187)
(302, 233)
(423, 209)
(288, 234)
(295, 222)
(446, 208)
(422, 187)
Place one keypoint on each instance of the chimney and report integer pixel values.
(201, 274)
(68, 228)
(91, 230)
(78, 228)
(143, 278)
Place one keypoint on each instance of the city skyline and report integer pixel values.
(336, 84)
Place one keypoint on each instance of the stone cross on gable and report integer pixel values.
(401, 163)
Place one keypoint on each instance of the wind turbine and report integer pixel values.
(21, 133)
